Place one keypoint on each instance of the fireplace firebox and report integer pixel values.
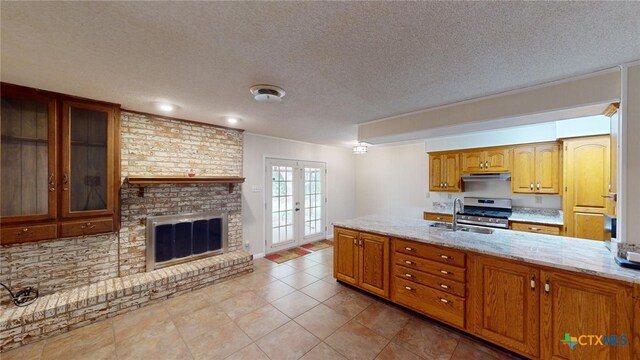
(174, 239)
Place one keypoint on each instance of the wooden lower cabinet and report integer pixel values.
(362, 259)
(504, 304)
(437, 217)
(581, 306)
(536, 228)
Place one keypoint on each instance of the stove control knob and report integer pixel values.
(490, 220)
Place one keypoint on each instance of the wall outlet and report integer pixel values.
(247, 245)
(538, 199)
(428, 194)
(449, 196)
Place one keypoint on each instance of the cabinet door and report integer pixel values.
(547, 174)
(505, 305)
(435, 172)
(451, 172)
(345, 256)
(374, 264)
(473, 162)
(586, 170)
(523, 172)
(575, 306)
(497, 160)
(28, 156)
(88, 159)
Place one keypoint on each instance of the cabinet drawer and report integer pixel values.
(434, 268)
(28, 233)
(437, 217)
(535, 228)
(445, 256)
(87, 227)
(431, 302)
(432, 281)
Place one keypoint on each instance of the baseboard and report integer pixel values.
(258, 256)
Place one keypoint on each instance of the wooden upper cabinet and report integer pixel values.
(473, 162)
(536, 169)
(88, 159)
(374, 264)
(523, 171)
(504, 305)
(345, 258)
(577, 305)
(489, 160)
(444, 172)
(60, 160)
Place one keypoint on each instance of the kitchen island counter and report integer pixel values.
(584, 256)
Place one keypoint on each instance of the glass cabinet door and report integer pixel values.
(88, 159)
(28, 160)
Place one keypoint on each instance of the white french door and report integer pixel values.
(295, 203)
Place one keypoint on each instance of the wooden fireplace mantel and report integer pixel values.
(142, 180)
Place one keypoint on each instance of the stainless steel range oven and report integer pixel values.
(486, 212)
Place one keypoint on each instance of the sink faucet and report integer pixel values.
(454, 223)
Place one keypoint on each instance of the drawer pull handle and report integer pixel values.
(443, 300)
(534, 229)
(24, 231)
(444, 286)
(438, 218)
(408, 275)
(408, 248)
(409, 288)
(446, 257)
(445, 272)
(408, 262)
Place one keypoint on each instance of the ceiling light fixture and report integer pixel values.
(232, 120)
(267, 93)
(165, 106)
(360, 149)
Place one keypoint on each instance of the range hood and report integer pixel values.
(486, 177)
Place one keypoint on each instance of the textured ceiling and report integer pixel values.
(341, 63)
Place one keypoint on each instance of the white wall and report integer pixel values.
(392, 180)
(340, 181)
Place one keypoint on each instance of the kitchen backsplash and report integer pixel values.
(498, 189)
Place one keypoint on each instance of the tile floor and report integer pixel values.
(294, 310)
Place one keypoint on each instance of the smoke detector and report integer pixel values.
(267, 93)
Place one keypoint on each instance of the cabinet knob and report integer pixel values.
(408, 288)
(534, 229)
(444, 301)
(533, 282)
(445, 272)
(87, 226)
(24, 231)
(538, 185)
(408, 248)
(547, 286)
(446, 257)
(65, 181)
(444, 286)
(486, 164)
(408, 275)
(481, 165)
(408, 262)
(441, 185)
(531, 186)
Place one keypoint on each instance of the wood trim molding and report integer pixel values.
(170, 179)
(611, 109)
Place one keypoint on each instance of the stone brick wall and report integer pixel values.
(150, 146)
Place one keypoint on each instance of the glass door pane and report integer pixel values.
(313, 201)
(88, 161)
(26, 179)
(282, 205)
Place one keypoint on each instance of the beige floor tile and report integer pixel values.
(186, 303)
(274, 291)
(198, 322)
(320, 270)
(322, 290)
(471, 350)
(321, 257)
(384, 319)
(263, 264)
(105, 353)
(396, 352)
(254, 280)
(251, 352)
(84, 340)
(321, 321)
(281, 271)
(295, 304)
(290, 341)
(31, 351)
(242, 304)
(301, 263)
(160, 341)
(427, 339)
(299, 280)
(223, 291)
(348, 304)
(323, 351)
(357, 342)
(218, 342)
(132, 323)
(262, 321)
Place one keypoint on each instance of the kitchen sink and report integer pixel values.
(477, 230)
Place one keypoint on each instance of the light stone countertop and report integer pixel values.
(585, 256)
(531, 215)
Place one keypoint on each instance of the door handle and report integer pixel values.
(297, 209)
(481, 165)
(65, 181)
(486, 164)
(531, 186)
(538, 185)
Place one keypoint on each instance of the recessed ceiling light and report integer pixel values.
(267, 93)
(232, 120)
(166, 107)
